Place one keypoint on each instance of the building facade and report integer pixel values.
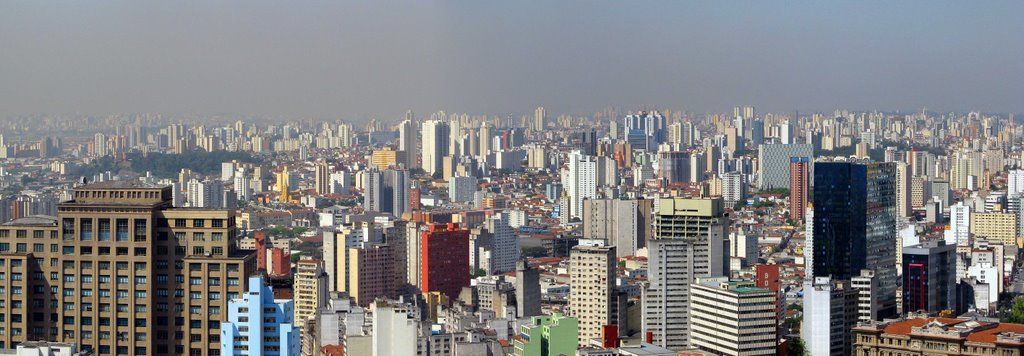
(258, 324)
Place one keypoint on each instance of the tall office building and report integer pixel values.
(773, 163)
(119, 253)
(445, 262)
(689, 242)
(733, 318)
(408, 141)
(527, 290)
(539, 119)
(855, 225)
(625, 224)
(799, 187)
(504, 243)
(322, 173)
(903, 183)
(830, 311)
(645, 130)
(258, 324)
(435, 145)
(929, 277)
(310, 290)
(386, 191)
(592, 294)
(580, 182)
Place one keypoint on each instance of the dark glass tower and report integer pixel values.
(855, 225)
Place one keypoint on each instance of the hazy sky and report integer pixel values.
(350, 59)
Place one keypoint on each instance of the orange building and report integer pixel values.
(445, 259)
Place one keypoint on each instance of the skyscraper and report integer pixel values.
(929, 277)
(323, 178)
(258, 322)
(539, 119)
(527, 290)
(445, 262)
(580, 182)
(689, 242)
(408, 141)
(123, 241)
(855, 224)
(310, 290)
(592, 295)
(799, 186)
(435, 145)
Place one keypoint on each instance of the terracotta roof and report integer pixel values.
(989, 335)
(904, 327)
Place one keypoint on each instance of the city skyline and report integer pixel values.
(350, 61)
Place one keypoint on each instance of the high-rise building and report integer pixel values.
(539, 119)
(580, 181)
(259, 324)
(124, 234)
(445, 261)
(625, 224)
(689, 242)
(1001, 227)
(734, 187)
(371, 269)
(394, 329)
(527, 290)
(733, 318)
(645, 130)
(408, 141)
(830, 311)
(592, 295)
(504, 243)
(854, 226)
(929, 277)
(435, 145)
(386, 191)
(310, 290)
(799, 187)
(323, 178)
(773, 161)
(903, 180)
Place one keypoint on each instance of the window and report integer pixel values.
(22, 248)
(140, 280)
(140, 251)
(68, 228)
(122, 230)
(69, 250)
(86, 250)
(86, 278)
(140, 294)
(232, 281)
(105, 293)
(54, 248)
(161, 279)
(198, 223)
(122, 294)
(216, 236)
(4, 247)
(217, 223)
(198, 236)
(179, 222)
(214, 296)
(214, 281)
(180, 236)
(69, 278)
(218, 251)
(38, 247)
(141, 229)
(195, 295)
(198, 250)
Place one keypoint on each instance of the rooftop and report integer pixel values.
(33, 220)
(122, 184)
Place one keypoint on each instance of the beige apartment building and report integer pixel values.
(120, 271)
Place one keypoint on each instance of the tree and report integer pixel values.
(1016, 314)
(479, 272)
(797, 348)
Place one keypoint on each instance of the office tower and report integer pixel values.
(799, 187)
(757, 132)
(242, 185)
(527, 290)
(854, 226)
(371, 268)
(733, 141)
(310, 290)
(461, 189)
(674, 167)
(929, 277)
(123, 241)
(580, 181)
(592, 294)
(734, 187)
(373, 190)
(259, 324)
(435, 145)
(733, 318)
(323, 178)
(445, 262)
(395, 193)
(548, 335)
(504, 243)
(830, 311)
(999, 227)
(689, 242)
(773, 161)
(539, 119)
(625, 224)
(408, 141)
(903, 183)
(959, 224)
(394, 329)
(786, 134)
(645, 131)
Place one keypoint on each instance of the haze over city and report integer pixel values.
(358, 61)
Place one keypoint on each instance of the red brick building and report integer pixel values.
(445, 259)
(798, 187)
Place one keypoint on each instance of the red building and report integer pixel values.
(767, 277)
(798, 186)
(445, 259)
(414, 198)
(261, 250)
(281, 263)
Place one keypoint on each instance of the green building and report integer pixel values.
(548, 335)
